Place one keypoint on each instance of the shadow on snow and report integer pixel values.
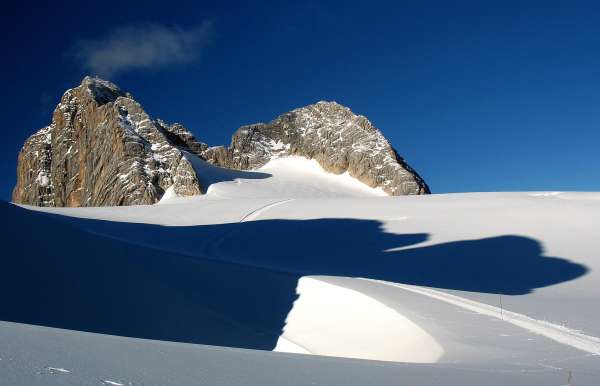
(230, 284)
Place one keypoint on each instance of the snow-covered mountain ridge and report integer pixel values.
(331, 134)
(103, 149)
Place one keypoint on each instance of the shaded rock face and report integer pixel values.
(103, 149)
(332, 135)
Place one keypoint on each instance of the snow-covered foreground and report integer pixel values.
(33, 355)
(479, 288)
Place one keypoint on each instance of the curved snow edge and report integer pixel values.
(333, 320)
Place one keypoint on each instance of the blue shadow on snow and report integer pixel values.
(230, 284)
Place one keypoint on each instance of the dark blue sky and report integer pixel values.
(477, 96)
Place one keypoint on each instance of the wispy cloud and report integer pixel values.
(141, 47)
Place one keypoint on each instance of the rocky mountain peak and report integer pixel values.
(333, 135)
(102, 148)
(100, 90)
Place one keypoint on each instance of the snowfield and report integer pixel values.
(347, 285)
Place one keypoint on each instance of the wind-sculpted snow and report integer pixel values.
(133, 269)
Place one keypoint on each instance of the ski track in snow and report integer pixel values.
(212, 249)
(57, 370)
(561, 334)
(253, 215)
(112, 383)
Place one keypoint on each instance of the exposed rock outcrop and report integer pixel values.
(332, 135)
(103, 149)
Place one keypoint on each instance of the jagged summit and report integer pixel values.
(331, 134)
(102, 91)
(102, 148)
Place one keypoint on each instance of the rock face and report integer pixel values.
(332, 135)
(103, 149)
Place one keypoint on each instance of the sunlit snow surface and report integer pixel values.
(287, 177)
(488, 288)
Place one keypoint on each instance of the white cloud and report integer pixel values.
(142, 47)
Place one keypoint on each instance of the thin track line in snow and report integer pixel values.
(561, 334)
(257, 212)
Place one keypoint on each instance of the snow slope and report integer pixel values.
(351, 324)
(30, 354)
(487, 288)
(289, 177)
